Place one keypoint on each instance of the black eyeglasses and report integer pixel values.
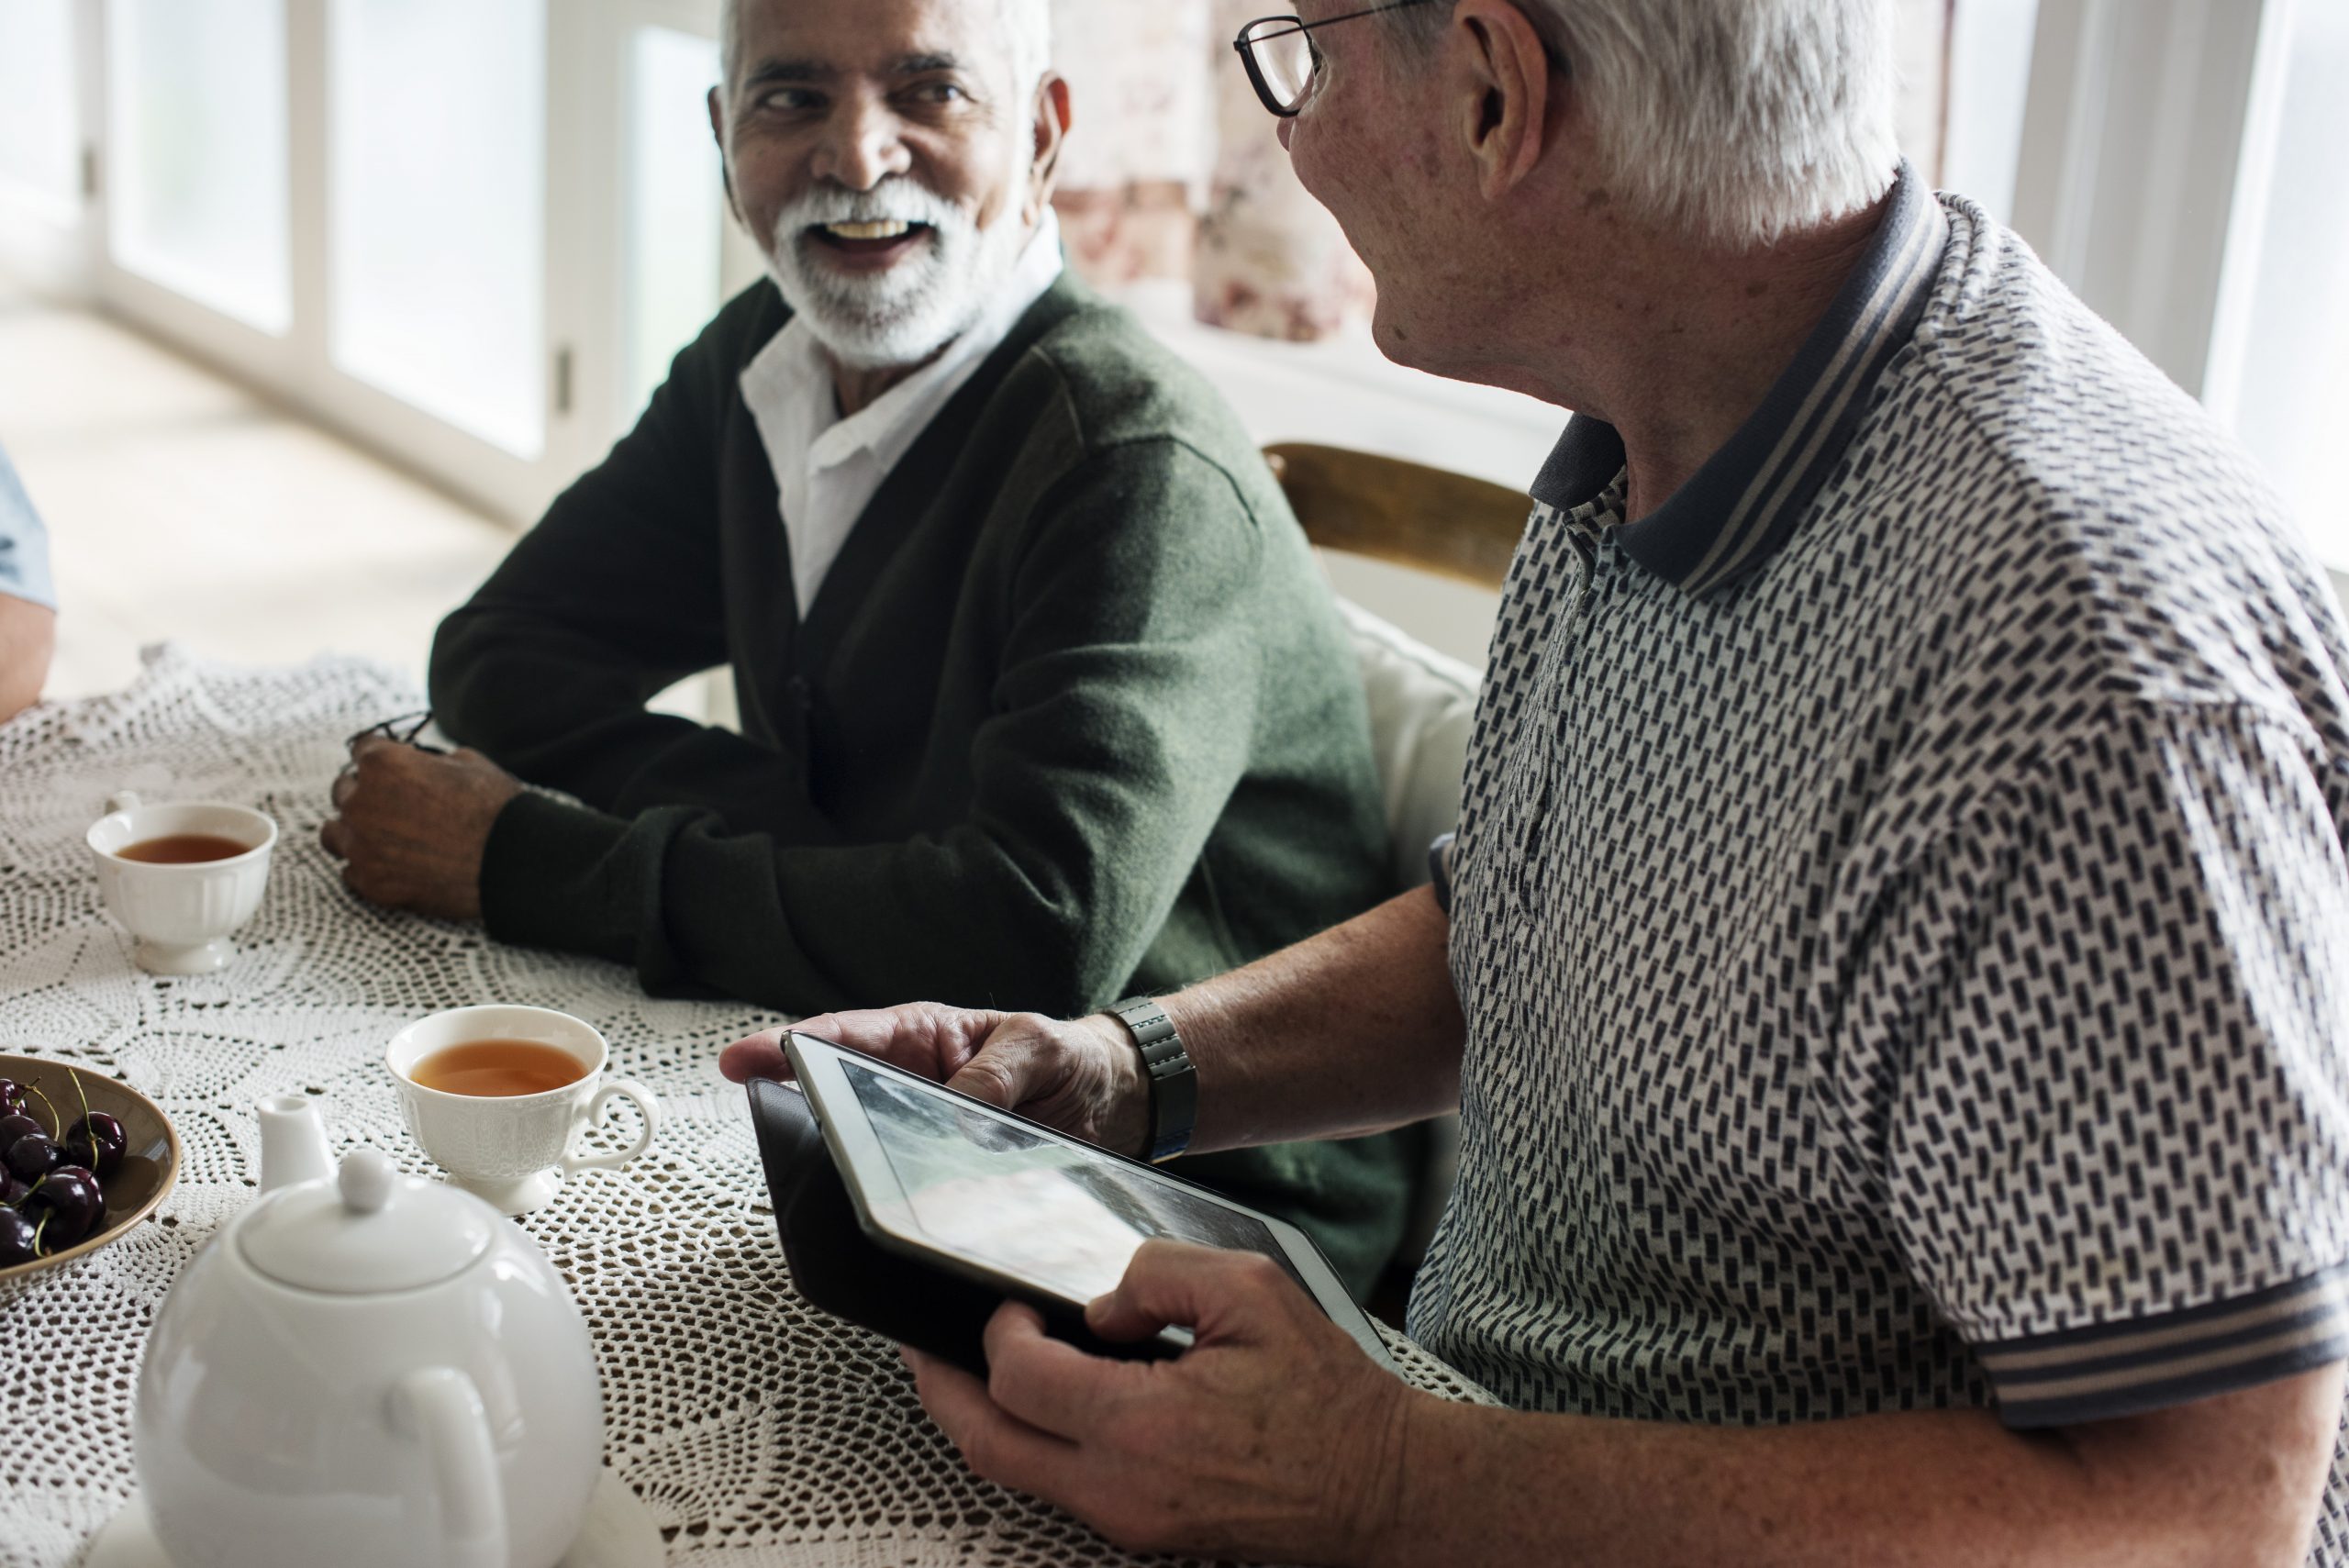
(402, 730)
(1282, 60)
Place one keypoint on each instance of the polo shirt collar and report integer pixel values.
(1743, 504)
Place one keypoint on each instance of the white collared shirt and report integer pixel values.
(826, 467)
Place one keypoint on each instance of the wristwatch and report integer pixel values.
(1174, 1081)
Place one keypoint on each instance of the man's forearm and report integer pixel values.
(1349, 1031)
(2233, 1480)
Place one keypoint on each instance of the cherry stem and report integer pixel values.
(56, 1121)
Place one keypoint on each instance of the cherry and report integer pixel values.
(34, 1155)
(70, 1196)
(97, 1141)
(14, 1125)
(19, 1238)
(11, 1189)
(14, 1101)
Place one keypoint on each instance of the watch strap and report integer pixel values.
(1174, 1081)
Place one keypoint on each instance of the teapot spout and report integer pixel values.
(293, 1141)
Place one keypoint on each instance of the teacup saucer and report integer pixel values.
(618, 1533)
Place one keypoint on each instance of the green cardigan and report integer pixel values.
(1070, 716)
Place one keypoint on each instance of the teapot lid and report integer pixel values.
(368, 1232)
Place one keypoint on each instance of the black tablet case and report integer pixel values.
(843, 1270)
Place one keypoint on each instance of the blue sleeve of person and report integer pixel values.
(24, 543)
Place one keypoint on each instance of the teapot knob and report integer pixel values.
(366, 1180)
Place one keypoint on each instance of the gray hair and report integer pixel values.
(1027, 24)
(1734, 122)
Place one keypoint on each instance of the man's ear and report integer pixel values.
(725, 170)
(1053, 122)
(1499, 73)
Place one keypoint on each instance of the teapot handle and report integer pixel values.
(440, 1408)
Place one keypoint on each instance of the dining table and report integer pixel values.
(753, 1427)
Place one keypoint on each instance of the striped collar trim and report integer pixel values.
(1743, 504)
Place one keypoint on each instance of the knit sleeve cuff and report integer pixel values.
(2153, 1363)
(551, 878)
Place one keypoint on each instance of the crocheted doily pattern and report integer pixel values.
(755, 1428)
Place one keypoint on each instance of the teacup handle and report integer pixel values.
(123, 800)
(617, 1089)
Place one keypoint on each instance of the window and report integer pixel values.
(676, 216)
(197, 131)
(436, 195)
(1990, 71)
(40, 136)
(2282, 374)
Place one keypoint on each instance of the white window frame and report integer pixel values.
(738, 261)
(581, 283)
(54, 250)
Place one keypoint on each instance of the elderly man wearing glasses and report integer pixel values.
(1043, 700)
(1893, 966)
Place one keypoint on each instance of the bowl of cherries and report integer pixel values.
(83, 1158)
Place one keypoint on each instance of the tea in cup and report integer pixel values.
(183, 877)
(499, 1096)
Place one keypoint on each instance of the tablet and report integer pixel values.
(1017, 1207)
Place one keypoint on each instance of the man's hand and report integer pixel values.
(1274, 1436)
(411, 826)
(1081, 1075)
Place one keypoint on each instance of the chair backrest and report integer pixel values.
(1392, 510)
(1422, 705)
(1421, 702)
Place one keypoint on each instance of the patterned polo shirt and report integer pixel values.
(1898, 903)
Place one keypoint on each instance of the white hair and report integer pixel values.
(1731, 121)
(1027, 24)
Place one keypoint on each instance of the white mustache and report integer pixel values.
(892, 201)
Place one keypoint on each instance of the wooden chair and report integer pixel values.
(1392, 510)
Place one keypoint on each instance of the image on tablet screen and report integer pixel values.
(1059, 1217)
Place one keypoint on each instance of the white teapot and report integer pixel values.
(368, 1370)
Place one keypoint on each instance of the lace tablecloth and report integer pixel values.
(756, 1429)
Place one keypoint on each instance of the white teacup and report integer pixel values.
(506, 1148)
(183, 914)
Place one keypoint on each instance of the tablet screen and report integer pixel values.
(1030, 1207)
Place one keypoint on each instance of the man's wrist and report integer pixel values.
(1428, 1473)
(1123, 1123)
(1172, 1082)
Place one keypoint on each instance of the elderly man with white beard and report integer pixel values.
(1043, 699)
